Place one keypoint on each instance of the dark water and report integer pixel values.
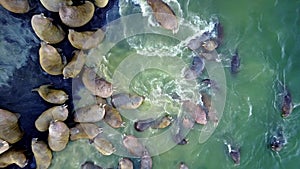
(267, 36)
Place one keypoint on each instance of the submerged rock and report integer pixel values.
(235, 63)
(74, 67)
(50, 60)
(85, 40)
(58, 136)
(13, 157)
(55, 113)
(54, 5)
(76, 16)
(97, 85)
(163, 14)
(42, 154)
(16, 6)
(126, 101)
(91, 113)
(54, 96)
(10, 130)
(46, 30)
(125, 163)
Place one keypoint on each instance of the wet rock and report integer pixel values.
(125, 163)
(16, 6)
(54, 5)
(58, 136)
(101, 3)
(46, 30)
(74, 67)
(235, 63)
(134, 146)
(54, 96)
(91, 113)
(4, 146)
(163, 14)
(42, 154)
(97, 85)
(13, 157)
(76, 16)
(126, 101)
(50, 60)
(90, 165)
(104, 146)
(183, 166)
(85, 131)
(10, 130)
(113, 117)
(146, 160)
(55, 113)
(287, 105)
(85, 40)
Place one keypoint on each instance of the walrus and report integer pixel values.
(235, 63)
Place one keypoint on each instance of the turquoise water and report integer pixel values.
(267, 36)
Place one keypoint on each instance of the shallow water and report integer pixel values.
(267, 37)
